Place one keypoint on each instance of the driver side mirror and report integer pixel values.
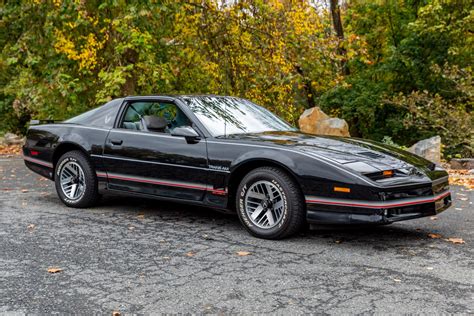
(188, 133)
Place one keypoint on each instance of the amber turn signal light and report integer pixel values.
(340, 189)
(388, 173)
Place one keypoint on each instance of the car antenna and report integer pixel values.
(225, 120)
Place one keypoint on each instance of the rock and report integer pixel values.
(315, 121)
(464, 163)
(429, 148)
(12, 139)
(333, 126)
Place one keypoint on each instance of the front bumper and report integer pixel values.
(342, 211)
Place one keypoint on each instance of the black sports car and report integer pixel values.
(230, 154)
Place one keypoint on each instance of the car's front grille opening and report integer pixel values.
(403, 211)
(404, 193)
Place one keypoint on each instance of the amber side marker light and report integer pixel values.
(388, 173)
(340, 189)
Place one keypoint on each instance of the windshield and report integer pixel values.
(224, 116)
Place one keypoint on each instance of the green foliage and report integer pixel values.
(449, 117)
(387, 140)
(409, 60)
(419, 81)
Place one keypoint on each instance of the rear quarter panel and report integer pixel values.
(45, 140)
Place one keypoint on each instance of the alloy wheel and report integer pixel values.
(72, 180)
(264, 204)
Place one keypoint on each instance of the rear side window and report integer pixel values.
(103, 116)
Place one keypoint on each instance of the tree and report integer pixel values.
(407, 58)
(337, 23)
(416, 82)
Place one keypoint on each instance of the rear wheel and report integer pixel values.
(75, 180)
(270, 204)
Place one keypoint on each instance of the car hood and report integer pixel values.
(361, 155)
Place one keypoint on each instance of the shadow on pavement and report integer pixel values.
(381, 235)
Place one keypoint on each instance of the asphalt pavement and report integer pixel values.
(145, 256)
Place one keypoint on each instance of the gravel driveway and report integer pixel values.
(146, 256)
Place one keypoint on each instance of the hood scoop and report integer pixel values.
(370, 154)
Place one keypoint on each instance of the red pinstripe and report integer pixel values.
(386, 205)
(171, 184)
(37, 161)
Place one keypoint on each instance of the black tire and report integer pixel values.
(293, 216)
(90, 194)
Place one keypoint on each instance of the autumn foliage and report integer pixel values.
(396, 63)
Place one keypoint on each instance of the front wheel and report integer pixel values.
(270, 204)
(75, 180)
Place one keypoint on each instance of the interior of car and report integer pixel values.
(158, 117)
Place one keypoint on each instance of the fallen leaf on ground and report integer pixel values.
(434, 236)
(456, 240)
(243, 253)
(207, 237)
(190, 254)
(434, 218)
(461, 177)
(10, 149)
(54, 270)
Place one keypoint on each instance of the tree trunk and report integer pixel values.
(337, 23)
(130, 57)
(308, 88)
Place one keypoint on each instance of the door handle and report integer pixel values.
(116, 141)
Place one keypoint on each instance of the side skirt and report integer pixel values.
(162, 198)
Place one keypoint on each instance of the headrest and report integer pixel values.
(155, 122)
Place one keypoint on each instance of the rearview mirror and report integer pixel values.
(187, 132)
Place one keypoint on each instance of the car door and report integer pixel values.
(141, 155)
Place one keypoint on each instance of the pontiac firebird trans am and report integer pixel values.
(228, 153)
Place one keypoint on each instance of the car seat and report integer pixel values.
(155, 123)
(129, 125)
